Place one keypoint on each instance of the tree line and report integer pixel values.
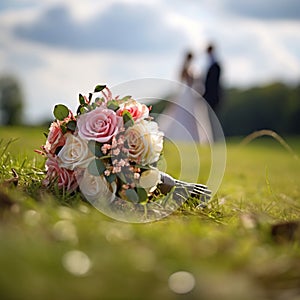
(11, 101)
(274, 106)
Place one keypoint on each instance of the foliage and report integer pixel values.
(275, 106)
(11, 101)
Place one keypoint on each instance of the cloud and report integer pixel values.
(64, 50)
(266, 9)
(6, 5)
(120, 27)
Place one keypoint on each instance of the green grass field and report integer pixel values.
(59, 247)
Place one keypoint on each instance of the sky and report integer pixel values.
(58, 49)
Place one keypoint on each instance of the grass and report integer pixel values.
(228, 247)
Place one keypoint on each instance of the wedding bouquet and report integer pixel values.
(109, 150)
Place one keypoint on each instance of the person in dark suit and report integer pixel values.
(212, 80)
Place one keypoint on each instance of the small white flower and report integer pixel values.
(75, 153)
(116, 151)
(136, 175)
(106, 172)
(149, 179)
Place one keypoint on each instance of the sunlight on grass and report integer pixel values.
(26, 140)
(58, 246)
(182, 160)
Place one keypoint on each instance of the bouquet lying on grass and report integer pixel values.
(109, 150)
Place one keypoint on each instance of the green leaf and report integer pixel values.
(57, 150)
(111, 178)
(143, 196)
(105, 157)
(94, 105)
(98, 99)
(63, 129)
(71, 125)
(99, 88)
(78, 109)
(132, 195)
(82, 110)
(81, 100)
(113, 105)
(127, 119)
(96, 167)
(146, 167)
(60, 112)
(95, 148)
(122, 177)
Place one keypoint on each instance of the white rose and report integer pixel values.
(149, 179)
(145, 142)
(75, 153)
(96, 188)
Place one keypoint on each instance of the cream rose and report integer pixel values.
(145, 142)
(75, 153)
(149, 179)
(96, 188)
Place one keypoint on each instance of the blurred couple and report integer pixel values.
(189, 118)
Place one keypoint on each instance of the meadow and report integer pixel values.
(243, 245)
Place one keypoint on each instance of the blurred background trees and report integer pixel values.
(11, 101)
(274, 106)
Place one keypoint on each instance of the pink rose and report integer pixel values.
(100, 125)
(65, 178)
(55, 138)
(136, 109)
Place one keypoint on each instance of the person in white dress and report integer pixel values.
(186, 117)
